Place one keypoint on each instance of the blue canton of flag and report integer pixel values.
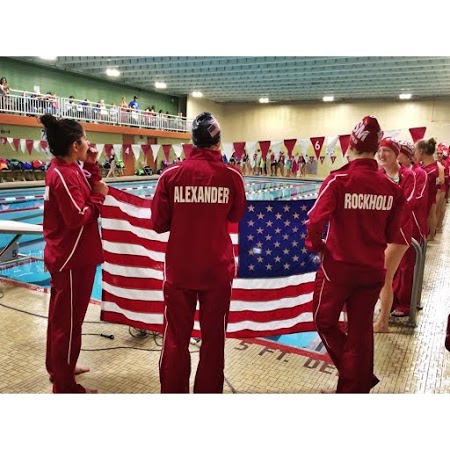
(272, 240)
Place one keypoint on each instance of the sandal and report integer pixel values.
(398, 313)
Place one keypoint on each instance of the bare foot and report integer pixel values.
(79, 370)
(91, 391)
(328, 391)
(379, 328)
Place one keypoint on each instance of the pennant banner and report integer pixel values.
(145, 149)
(264, 146)
(187, 148)
(317, 143)
(290, 144)
(166, 150)
(344, 140)
(239, 149)
(417, 133)
(29, 144)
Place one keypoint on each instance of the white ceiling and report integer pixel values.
(227, 79)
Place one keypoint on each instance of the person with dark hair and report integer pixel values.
(72, 202)
(364, 211)
(195, 200)
(425, 154)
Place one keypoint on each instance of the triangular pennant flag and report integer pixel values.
(290, 144)
(303, 144)
(155, 150)
(317, 143)
(321, 159)
(178, 149)
(227, 150)
(166, 150)
(100, 148)
(251, 150)
(3, 140)
(118, 150)
(239, 149)
(16, 143)
(187, 148)
(136, 150)
(37, 146)
(276, 148)
(311, 159)
(394, 134)
(264, 146)
(29, 145)
(145, 149)
(417, 133)
(333, 159)
(44, 146)
(344, 140)
(22, 145)
(331, 143)
(108, 149)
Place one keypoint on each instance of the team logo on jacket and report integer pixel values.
(368, 201)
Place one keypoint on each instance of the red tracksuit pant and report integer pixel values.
(403, 281)
(351, 351)
(175, 360)
(69, 299)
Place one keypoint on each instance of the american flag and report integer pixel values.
(272, 293)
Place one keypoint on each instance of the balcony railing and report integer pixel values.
(31, 104)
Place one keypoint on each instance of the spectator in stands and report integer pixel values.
(4, 91)
(69, 107)
(123, 110)
(113, 112)
(179, 122)
(103, 111)
(134, 104)
(72, 204)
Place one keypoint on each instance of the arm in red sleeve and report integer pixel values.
(399, 226)
(320, 215)
(76, 209)
(409, 188)
(161, 208)
(94, 170)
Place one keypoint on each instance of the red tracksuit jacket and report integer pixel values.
(365, 211)
(195, 200)
(70, 223)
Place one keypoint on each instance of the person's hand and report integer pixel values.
(101, 187)
(92, 154)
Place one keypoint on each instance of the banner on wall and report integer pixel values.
(264, 146)
(417, 133)
(317, 143)
(290, 144)
(344, 140)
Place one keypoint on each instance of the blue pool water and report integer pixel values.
(26, 205)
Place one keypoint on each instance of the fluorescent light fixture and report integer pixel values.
(328, 98)
(49, 58)
(263, 100)
(160, 85)
(405, 96)
(197, 94)
(112, 72)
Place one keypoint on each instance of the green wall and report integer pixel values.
(24, 76)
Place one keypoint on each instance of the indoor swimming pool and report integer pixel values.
(25, 205)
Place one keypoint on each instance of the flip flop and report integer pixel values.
(397, 313)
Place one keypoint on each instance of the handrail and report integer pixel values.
(36, 104)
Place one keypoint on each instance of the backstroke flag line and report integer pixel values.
(272, 294)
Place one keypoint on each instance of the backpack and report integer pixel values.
(106, 165)
(15, 164)
(27, 165)
(38, 164)
(120, 164)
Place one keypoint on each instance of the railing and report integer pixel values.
(32, 104)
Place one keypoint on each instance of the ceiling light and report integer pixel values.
(405, 96)
(160, 85)
(328, 98)
(197, 94)
(49, 58)
(263, 100)
(112, 72)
